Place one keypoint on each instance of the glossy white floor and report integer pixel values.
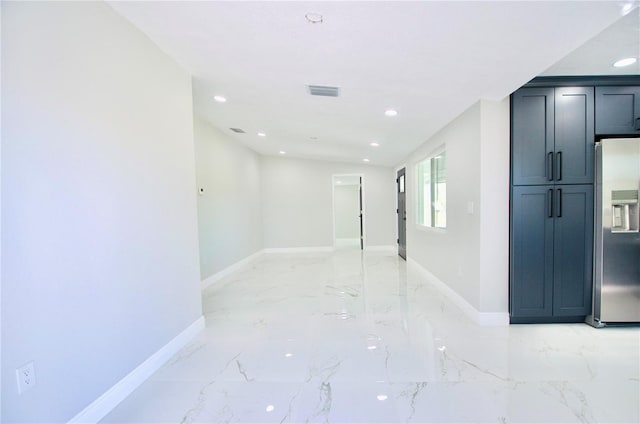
(345, 338)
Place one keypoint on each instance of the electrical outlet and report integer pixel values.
(26, 375)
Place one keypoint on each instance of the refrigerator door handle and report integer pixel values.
(559, 207)
(550, 202)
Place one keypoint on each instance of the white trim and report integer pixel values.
(333, 206)
(399, 167)
(434, 153)
(298, 249)
(348, 243)
(229, 270)
(481, 318)
(385, 248)
(100, 407)
(397, 205)
(493, 319)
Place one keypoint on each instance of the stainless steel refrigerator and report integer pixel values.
(616, 294)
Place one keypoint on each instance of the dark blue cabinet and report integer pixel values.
(554, 123)
(551, 245)
(574, 135)
(552, 154)
(532, 135)
(572, 250)
(618, 110)
(531, 251)
(552, 136)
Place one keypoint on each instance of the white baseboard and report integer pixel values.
(100, 407)
(229, 270)
(341, 243)
(493, 319)
(389, 248)
(481, 318)
(298, 249)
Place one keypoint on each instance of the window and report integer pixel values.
(432, 191)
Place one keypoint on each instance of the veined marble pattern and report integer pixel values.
(348, 337)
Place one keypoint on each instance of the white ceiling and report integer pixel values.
(620, 40)
(428, 60)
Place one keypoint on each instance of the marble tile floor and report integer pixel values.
(347, 337)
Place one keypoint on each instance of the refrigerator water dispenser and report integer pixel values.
(624, 211)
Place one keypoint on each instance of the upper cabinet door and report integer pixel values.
(574, 135)
(617, 110)
(532, 132)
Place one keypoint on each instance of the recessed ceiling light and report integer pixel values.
(365, 160)
(390, 112)
(261, 134)
(220, 99)
(314, 18)
(282, 152)
(625, 62)
(374, 144)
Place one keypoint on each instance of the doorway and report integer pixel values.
(402, 214)
(348, 216)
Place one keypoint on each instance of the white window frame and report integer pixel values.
(420, 203)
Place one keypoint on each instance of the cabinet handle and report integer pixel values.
(550, 166)
(638, 124)
(550, 202)
(559, 207)
(559, 165)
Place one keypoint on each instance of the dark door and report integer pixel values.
(402, 215)
(532, 136)
(361, 217)
(574, 135)
(617, 110)
(573, 247)
(532, 218)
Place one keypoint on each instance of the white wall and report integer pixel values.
(297, 206)
(494, 205)
(346, 206)
(471, 254)
(229, 211)
(99, 219)
(452, 254)
(1, 391)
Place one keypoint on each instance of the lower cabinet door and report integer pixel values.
(531, 271)
(573, 250)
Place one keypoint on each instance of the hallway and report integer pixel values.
(351, 337)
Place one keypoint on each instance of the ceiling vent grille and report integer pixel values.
(322, 90)
(237, 130)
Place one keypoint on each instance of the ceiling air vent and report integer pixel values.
(237, 130)
(322, 90)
